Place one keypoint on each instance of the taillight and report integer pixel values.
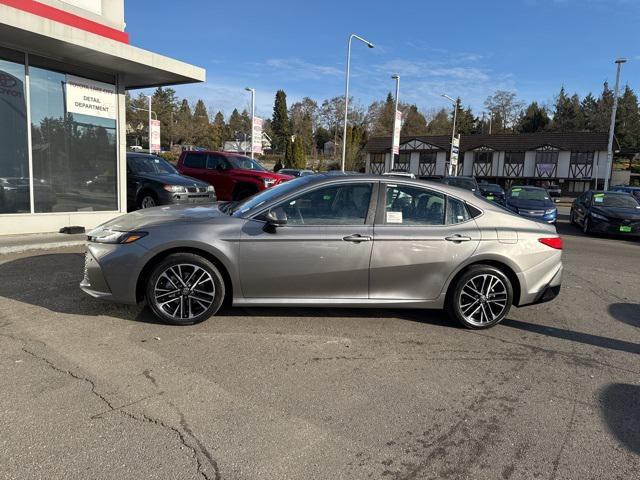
(553, 242)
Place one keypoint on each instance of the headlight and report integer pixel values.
(114, 236)
(210, 188)
(268, 182)
(550, 211)
(175, 188)
(599, 217)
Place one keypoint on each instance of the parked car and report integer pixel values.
(152, 181)
(492, 191)
(468, 183)
(554, 190)
(531, 202)
(320, 240)
(15, 195)
(296, 172)
(635, 191)
(234, 176)
(606, 212)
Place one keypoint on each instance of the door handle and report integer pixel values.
(457, 238)
(357, 238)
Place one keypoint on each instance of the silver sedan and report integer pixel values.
(329, 240)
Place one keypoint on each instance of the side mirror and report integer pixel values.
(275, 218)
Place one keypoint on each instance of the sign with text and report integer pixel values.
(154, 137)
(88, 97)
(256, 136)
(397, 126)
(455, 151)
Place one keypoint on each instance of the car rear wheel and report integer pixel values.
(147, 200)
(481, 298)
(185, 289)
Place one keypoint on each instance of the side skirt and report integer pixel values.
(339, 302)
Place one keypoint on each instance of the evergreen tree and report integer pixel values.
(201, 131)
(184, 124)
(380, 116)
(628, 120)
(568, 116)
(534, 119)
(414, 123)
(280, 122)
(440, 123)
(236, 125)
(605, 105)
(165, 103)
(298, 158)
(303, 117)
(218, 131)
(590, 112)
(465, 122)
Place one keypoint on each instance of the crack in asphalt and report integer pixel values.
(140, 418)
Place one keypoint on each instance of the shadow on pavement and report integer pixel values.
(628, 313)
(51, 281)
(585, 338)
(620, 408)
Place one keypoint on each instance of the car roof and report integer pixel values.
(527, 187)
(224, 154)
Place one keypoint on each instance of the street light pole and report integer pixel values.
(395, 119)
(149, 97)
(453, 133)
(346, 94)
(612, 128)
(253, 114)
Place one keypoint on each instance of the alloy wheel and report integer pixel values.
(184, 291)
(483, 299)
(148, 202)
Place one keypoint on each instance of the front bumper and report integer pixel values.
(188, 198)
(613, 227)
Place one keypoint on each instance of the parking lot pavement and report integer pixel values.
(95, 390)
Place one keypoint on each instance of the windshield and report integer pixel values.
(154, 165)
(245, 163)
(614, 200)
(242, 207)
(491, 188)
(528, 194)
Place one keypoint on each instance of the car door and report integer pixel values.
(420, 238)
(582, 207)
(216, 176)
(322, 252)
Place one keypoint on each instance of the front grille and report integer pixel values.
(533, 213)
(192, 189)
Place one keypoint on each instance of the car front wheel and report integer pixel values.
(184, 289)
(586, 227)
(481, 298)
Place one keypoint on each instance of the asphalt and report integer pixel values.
(102, 391)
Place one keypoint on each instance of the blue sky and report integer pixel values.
(466, 48)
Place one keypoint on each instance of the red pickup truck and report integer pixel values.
(233, 176)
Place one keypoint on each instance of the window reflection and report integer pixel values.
(74, 155)
(14, 159)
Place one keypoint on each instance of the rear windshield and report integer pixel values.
(466, 183)
(527, 194)
(614, 200)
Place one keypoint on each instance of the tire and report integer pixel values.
(586, 227)
(486, 308)
(243, 192)
(147, 200)
(171, 289)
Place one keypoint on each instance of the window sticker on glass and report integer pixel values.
(515, 193)
(326, 197)
(394, 217)
(598, 199)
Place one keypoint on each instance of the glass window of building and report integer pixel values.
(73, 130)
(402, 162)
(15, 193)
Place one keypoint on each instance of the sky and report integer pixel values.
(464, 48)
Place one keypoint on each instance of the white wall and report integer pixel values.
(107, 12)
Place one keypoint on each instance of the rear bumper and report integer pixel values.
(549, 290)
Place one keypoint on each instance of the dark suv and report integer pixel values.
(153, 181)
(234, 176)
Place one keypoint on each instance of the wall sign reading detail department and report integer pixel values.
(88, 97)
(94, 6)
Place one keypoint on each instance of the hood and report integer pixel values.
(162, 215)
(174, 179)
(531, 204)
(258, 174)
(618, 213)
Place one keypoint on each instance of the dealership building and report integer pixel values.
(64, 68)
(573, 161)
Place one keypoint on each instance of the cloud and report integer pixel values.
(302, 69)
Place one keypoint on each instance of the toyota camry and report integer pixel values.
(329, 240)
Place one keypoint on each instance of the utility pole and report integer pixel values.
(253, 116)
(612, 128)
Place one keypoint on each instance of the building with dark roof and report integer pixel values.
(574, 161)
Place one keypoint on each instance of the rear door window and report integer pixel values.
(194, 160)
(408, 205)
(457, 211)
